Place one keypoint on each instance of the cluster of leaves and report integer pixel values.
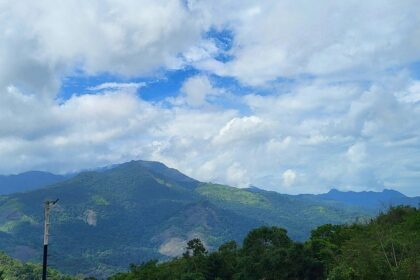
(11, 269)
(387, 247)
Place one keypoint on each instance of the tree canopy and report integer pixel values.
(387, 247)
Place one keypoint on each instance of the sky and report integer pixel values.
(291, 96)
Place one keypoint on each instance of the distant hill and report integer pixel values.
(141, 210)
(298, 214)
(371, 200)
(27, 181)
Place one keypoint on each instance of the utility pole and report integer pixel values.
(47, 208)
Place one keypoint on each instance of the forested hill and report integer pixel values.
(387, 247)
(142, 210)
(370, 199)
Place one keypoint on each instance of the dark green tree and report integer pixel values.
(195, 247)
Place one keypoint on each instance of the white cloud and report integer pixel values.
(197, 90)
(356, 153)
(289, 177)
(411, 94)
(353, 124)
(344, 39)
(240, 129)
(44, 40)
(237, 175)
(114, 86)
(361, 137)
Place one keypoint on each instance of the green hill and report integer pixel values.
(142, 210)
(385, 248)
(299, 215)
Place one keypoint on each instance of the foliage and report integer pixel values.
(11, 269)
(387, 247)
(232, 195)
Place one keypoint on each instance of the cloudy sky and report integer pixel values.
(292, 96)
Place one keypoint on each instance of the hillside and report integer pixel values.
(129, 213)
(298, 215)
(386, 248)
(141, 210)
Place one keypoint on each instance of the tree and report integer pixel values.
(195, 247)
(223, 263)
(264, 254)
(387, 248)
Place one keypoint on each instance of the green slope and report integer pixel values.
(297, 214)
(386, 248)
(142, 210)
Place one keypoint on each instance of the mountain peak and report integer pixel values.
(161, 168)
(334, 190)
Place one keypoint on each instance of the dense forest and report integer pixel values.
(11, 269)
(387, 247)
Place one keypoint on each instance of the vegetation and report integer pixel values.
(387, 247)
(11, 269)
(232, 195)
(140, 210)
(298, 214)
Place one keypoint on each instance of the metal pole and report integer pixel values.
(47, 208)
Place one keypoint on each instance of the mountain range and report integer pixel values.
(143, 210)
(28, 181)
(370, 199)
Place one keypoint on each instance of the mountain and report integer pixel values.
(371, 200)
(27, 181)
(106, 220)
(144, 210)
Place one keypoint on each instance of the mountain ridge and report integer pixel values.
(371, 199)
(142, 210)
(154, 166)
(28, 181)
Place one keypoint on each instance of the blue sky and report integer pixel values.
(288, 96)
